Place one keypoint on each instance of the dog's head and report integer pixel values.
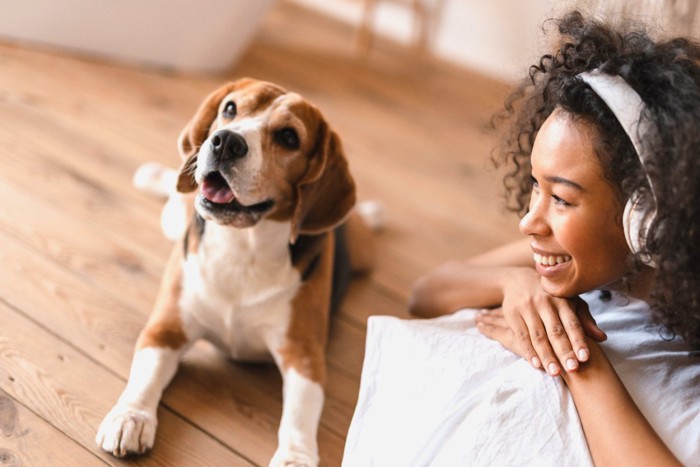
(256, 151)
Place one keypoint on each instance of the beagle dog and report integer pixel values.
(266, 186)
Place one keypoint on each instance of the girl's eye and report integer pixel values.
(560, 201)
(535, 185)
(230, 110)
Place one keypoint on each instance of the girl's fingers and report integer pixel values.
(492, 317)
(523, 336)
(496, 328)
(542, 339)
(576, 336)
(493, 324)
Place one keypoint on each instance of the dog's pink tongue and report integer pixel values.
(217, 193)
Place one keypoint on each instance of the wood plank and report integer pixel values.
(29, 440)
(37, 162)
(136, 112)
(365, 298)
(58, 383)
(109, 261)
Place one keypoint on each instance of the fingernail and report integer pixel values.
(571, 364)
(582, 355)
(536, 362)
(553, 369)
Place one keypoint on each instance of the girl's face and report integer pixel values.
(574, 218)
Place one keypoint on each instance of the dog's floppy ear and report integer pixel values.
(197, 130)
(326, 192)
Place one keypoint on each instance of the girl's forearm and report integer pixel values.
(455, 285)
(476, 282)
(616, 431)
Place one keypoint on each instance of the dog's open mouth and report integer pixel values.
(219, 200)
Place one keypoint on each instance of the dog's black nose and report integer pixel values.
(228, 145)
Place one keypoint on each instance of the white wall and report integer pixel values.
(179, 34)
(499, 38)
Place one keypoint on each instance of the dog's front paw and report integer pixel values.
(127, 430)
(293, 458)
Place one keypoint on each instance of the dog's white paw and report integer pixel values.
(155, 179)
(293, 458)
(127, 430)
(173, 218)
(373, 213)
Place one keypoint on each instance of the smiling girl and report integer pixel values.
(604, 153)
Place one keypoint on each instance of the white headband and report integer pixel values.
(627, 106)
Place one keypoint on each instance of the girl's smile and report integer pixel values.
(548, 265)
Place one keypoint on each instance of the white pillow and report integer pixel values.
(436, 392)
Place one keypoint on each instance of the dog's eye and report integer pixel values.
(230, 110)
(287, 137)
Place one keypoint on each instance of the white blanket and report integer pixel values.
(438, 393)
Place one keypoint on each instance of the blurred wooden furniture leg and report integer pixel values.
(365, 31)
(425, 17)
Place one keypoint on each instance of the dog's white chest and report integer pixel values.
(240, 285)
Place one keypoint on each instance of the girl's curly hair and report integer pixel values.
(666, 74)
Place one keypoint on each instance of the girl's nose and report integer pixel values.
(535, 222)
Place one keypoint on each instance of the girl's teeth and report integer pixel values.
(545, 260)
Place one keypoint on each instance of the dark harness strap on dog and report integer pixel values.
(307, 251)
(197, 226)
(341, 268)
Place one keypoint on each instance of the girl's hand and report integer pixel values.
(547, 330)
(492, 324)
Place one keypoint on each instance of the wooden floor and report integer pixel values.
(81, 251)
